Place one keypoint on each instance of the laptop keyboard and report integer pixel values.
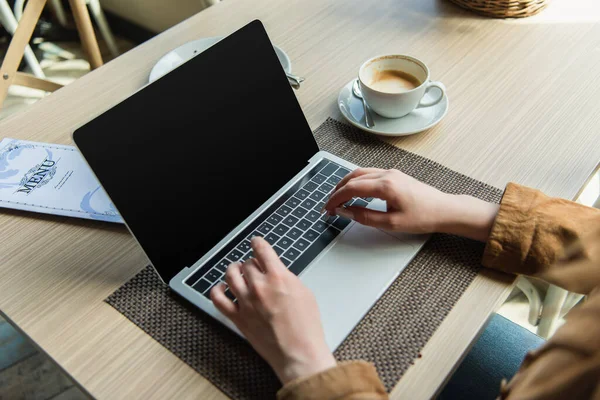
(294, 226)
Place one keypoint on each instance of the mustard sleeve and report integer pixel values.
(347, 381)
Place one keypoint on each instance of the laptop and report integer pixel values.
(219, 150)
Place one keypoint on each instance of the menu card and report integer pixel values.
(51, 179)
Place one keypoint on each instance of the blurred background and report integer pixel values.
(56, 42)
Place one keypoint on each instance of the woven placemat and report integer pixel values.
(391, 335)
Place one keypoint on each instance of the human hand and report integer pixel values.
(276, 313)
(412, 206)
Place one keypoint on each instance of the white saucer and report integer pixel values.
(417, 121)
(178, 56)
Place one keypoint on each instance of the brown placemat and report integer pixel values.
(393, 332)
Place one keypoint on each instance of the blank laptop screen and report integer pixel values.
(189, 157)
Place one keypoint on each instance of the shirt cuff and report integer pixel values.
(347, 380)
(510, 240)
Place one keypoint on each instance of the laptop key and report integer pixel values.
(265, 228)
(290, 220)
(342, 172)
(310, 186)
(329, 169)
(294, 233)
(255, 233)
(293, 202)
(274, 219)
(304, 224)
(280, 229)
(320, 226)
(326, 187)
(283, 210)
(285, 242)
(299, 212)
(328, 218)
(291, 254)
(285, 261)
(244, 258)
(272, 238)
(213, 275)
(308, 204)
(319, 206)
(313, 250)
(359, 203)
(319, 178)
(202, 285)
(313, 215)
(310, 235)
(334, 180)
(222, 265)
(317, 196)
(235, 255)
(302, 194)
(341, 223)
(301, 244)
(278, 250)
(244, 246)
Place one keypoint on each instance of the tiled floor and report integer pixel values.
(27, 374)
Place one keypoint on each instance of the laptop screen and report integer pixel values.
(189, 157)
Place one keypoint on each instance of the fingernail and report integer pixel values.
(344, 212)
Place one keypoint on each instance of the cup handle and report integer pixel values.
(430, 85)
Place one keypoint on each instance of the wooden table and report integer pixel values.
(523, 107)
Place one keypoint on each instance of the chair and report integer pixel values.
(96, 13)
(22, 34)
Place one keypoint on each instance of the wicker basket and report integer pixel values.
(504, 8)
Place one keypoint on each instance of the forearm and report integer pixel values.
(467, 216)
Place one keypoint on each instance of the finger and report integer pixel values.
(235, 280)
(376, 219)
(222, 302)
(253, 273)
(355, 174)
(265, 255)
(362, 188)
(374, 175)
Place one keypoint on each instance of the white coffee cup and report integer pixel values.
(396, 104)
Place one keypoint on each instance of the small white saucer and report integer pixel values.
(183, 53)
(417, 121)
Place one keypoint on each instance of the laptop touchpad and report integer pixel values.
(349, 278)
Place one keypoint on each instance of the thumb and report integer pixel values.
(364, 216)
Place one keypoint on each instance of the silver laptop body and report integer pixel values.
(347, 266)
